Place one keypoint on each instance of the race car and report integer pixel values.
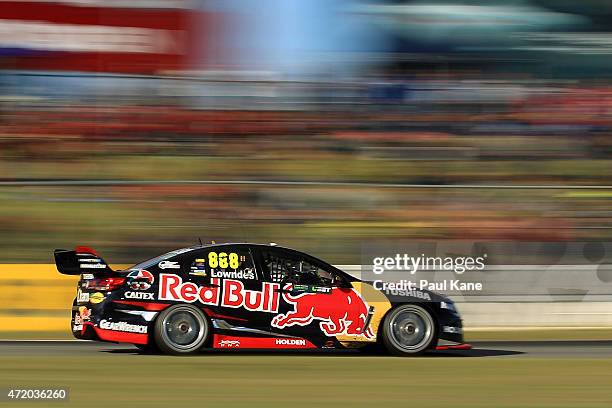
(250, 296)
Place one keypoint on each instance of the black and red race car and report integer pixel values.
(249, 296)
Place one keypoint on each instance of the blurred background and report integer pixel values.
(137, 126)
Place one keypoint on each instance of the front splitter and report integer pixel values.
(462, 346)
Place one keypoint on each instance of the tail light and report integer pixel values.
(104, 284)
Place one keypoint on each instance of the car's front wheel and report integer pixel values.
(181, 329)
(409, 330)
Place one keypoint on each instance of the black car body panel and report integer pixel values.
(255, 296)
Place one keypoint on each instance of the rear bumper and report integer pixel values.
(105, 323)
(91, 332)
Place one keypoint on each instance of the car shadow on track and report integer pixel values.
(336, 353)
(476, 352)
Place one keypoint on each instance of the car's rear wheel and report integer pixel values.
(181, 329)
(409, 330)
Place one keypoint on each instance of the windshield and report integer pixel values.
(154, 261)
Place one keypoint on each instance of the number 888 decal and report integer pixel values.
(219, 262)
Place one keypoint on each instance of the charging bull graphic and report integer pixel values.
(340, 312)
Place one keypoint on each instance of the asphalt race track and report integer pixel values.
(560, 374)
(489, 349)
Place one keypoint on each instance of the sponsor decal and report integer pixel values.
(236, 296)
(141, 279)
(139, 295)
(451, 329)
(168, 265)
(92, 266)
(198, 267)
(77, 327)
(231, 294)
(339, 312)
(224, 341)
(172, 287)
(96, 297)
(419, 294)
(229, 343)
(247, 273)
(82, 315)
(311, 288)
(93, 260)
(290, 342)
(87, 276)
(85, 313)
(401, 288)
(82, 297)
(198, 273)
(329, 344)
(123, 327)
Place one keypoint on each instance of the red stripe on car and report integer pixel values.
(156, 307)
(222, 341)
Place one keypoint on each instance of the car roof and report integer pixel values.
(222, 244)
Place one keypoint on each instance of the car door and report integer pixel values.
(316, 302)
(241, 299)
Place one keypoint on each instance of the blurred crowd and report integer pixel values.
(435, 150)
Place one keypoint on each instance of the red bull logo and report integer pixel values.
(340, 312)
(83, 315)
(231, 293)
(85, 312)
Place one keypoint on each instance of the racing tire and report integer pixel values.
(409, 330)
(181, 329)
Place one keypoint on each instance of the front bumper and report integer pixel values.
(450, 326)
(461, 346)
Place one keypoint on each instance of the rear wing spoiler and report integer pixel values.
(80, 260)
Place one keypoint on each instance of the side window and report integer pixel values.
(222, 262)
(289, 268)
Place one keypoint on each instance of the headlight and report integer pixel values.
(448, 306)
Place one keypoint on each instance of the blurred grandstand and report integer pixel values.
(398, 92)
